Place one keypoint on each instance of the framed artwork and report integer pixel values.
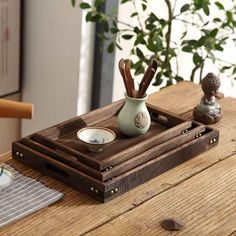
(9, 46)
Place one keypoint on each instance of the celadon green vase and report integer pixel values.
(134, 118)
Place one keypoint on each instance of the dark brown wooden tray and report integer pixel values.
(124, 164)
(63, 136)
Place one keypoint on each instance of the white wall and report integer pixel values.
(86, 64)
(9, 129)
(51, 50)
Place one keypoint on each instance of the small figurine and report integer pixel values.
(208, 111)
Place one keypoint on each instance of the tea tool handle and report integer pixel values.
(13, 109)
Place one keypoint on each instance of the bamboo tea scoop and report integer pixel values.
(128, 86)
(147, 78)
(129, 78)
(13, 109)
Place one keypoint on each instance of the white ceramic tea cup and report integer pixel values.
(95, 138)
(6, 177)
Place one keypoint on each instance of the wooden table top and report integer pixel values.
(201, 193)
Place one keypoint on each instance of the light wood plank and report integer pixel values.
(5, 157)
(178, 98)
(205, 203)
(78, 214)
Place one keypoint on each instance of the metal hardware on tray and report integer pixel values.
(198, 135)
(114, 191)
(108, 168)
(19, 154)
(92, 189)
(184, 131)
(213, 140)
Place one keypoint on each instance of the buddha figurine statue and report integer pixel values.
(208, 111)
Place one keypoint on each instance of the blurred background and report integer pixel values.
(51, 57)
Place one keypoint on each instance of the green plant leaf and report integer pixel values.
(152, 18)
(144, 7)
(105, 26)
(172, 52)
(229, 15)
(124, 1)
(84, 5)
(184, 8)
(206, 9)
(155, 43)
(110, 47)
(197, 59)
(97, 3)
(127, 36)
(134, 14)
(192, 42)
(216, 19)
(179, 78)
(202, 41)
(184, 34)
(136, 30)
(114, 30)
(73, 2)
(234, 71)
(187, 48)
(225, 68)
(139, 69)
(158, 79)
(218, 47)
(139, 39)
(118, 46)
(89, 16)
(219, 5)
(214, 32)
(139, 53)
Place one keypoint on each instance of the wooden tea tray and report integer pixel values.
(123, 164)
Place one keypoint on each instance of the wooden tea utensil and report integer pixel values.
(122, 71)
(127, 84)
(129, 78)
(147, 78)
(13, 109)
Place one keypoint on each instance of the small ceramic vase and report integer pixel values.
(134, 118)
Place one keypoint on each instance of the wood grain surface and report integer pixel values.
(206, 204)
(201, 192)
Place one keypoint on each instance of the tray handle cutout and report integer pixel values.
(159, 118)
(56, 170)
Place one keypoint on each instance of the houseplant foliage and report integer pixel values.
(152, 37)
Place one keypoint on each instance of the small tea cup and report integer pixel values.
(95, 138)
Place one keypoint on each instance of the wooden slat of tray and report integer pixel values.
(162, 163)
(124, 166)
(117, 158)
(50, 166)
(62, 156)
(87, 119)
(153, 152)
(158, 139)
(121, 142)
(63, 136)
(124, 182)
